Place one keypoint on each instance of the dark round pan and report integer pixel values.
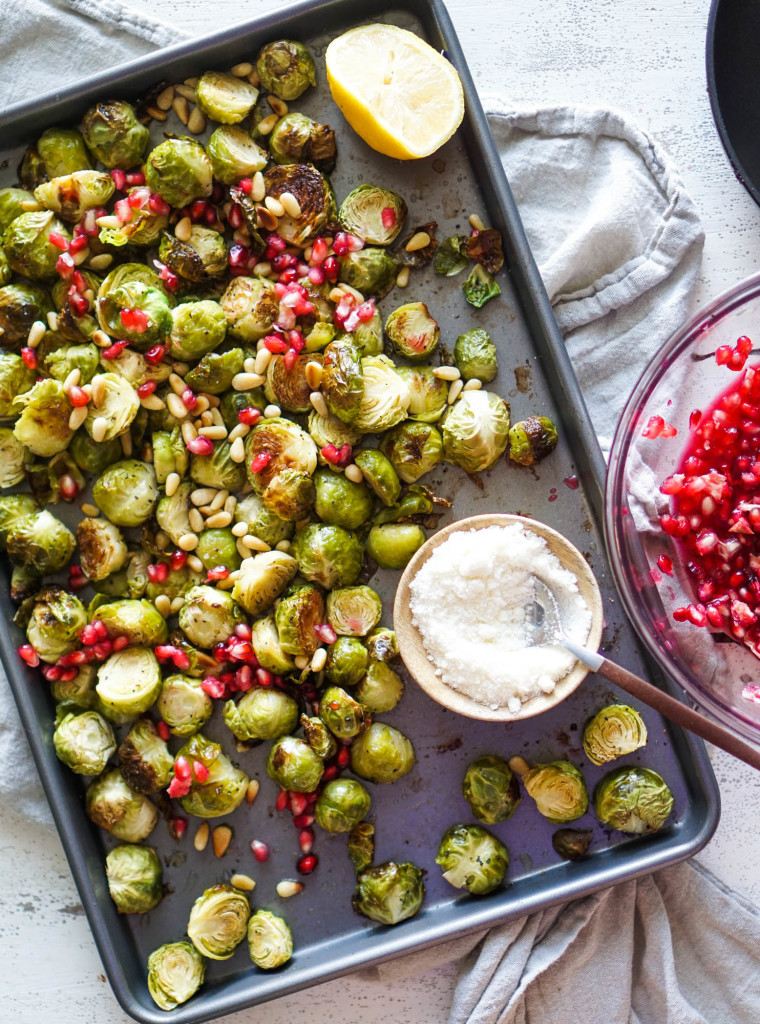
(733, 84)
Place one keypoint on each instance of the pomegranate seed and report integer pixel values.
(316, 275)
(326, 633)
(64, 266)
(179, 787)
(244, 679)
(29, 358)
(177, 560)
(219, 572)
(78, 396)
(115, 350)
(182, 768)
(146, 389)
(198, 209)
(181, 660)
(260, 850)
(260, 461)
(723, 354)
(274, 343)
(28, 654)
(298, 803)
(330, 454)
(306, 840)
(164, 652)
(654, 427)
(237, 255)
(102, 649)
(119, 179)
(79, 242)
(89, 635)
(170, 279)
(58, 240)
(189, 398)
(68, 487)
(307, 864)
(68, 674)
(158, 205)
(155, 355)
(158, 572)
(163, 730)
(665, 565)
(304, 820)
(200, 445)
(276, 243)
(343, 757)
(340, 243)
(200, 771)
(282, 800)
(177, 827)
(318, 251)
(213, 686)
(263, 677)
(135, 178)
(242, 631)
(246, 185)
(331, 268)
(250, 415)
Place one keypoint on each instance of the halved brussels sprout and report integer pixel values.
(129, 681)
(218, 469)
(112, 805)
(472, 858)
(84, 742)
(12, 458)
(270, 941)
(428, 393)
(61, 361)
(329, 429)
(214, 373)
(262, 523)
(266, 644)
(179, 171)
(73, 194)
(299, 610)
(145, 760)
(319, 737)
(413, 331)
(139, 621)
(382, 645)
(288, 386)
(144, 225)
(10, 205)
(572, 843)
(126, 492)
(342, 804)
(451, 256)
(559, 790)
(385, 397)
(372, 271)
(262, 579)
(225, 98)
(224, 788)
(491, 789)
(415, 504)
(134, 878)
(92, 457)
(198, 328)
(28, 248)
(56, 621)
(475, 355)
(486, 248)
(114, 135)
(389, 892)
(218, 922)
(183, 704)
(613, 732)
(233, 403)
(296, 139)
(251, 307)
(286, 448)
(381, 688)
(294, 765)
(531, 440)
(21, 303)
(170, 454)
(40, 542)
(374, 214)
(634, 800)
(343, 380)
(202, 256)
(175, 973)
(79, 689)
(476, 430)
(133, 305)
(261, 714)
(209, 616)
(234, 154)
(319, 336)
(15, 379)
(43, 424)
(379, 474)
(342, 715)
(173, 513)
(314, 196)
(285, 68)
(392, 545)
(361, 846)
(413, 449)
(14, 509)
(480, 287)
(118, 407)
(218, 547)
(328, 555)
(367, 337)
(347, 661)
(353, 611)
(382, 754)
(340, 501)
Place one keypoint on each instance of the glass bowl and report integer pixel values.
(684, 378)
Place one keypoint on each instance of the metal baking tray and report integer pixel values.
(466, 176)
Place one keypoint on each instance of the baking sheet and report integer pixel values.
(535, 377)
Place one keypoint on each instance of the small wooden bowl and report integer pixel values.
(413, 652)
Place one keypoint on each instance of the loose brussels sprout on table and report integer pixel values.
(634, 800)
(285, 68)
(559, 791)
(222, 790)
(472, 858)
(84, 742)
(294, 765)
(491, 789)
(10, 205)
(133, 305)
(270, 941)
(428, 393)
(15, 379)
(296, 139)
(480, 287)
(261, 522)
(319, 737)
(126, 814)
(390, 892)
(114, 135)
(183, 704)
(134, 878)
(385, 396)
(175, 973)
(475, 355)
(250, 306)
(382, 754)
(382, 644)
(225, 98)
(531, 440)
(144, 758)
(613, 732)
(341, 805)
(314, 196)
(379, 475)
(218, 922)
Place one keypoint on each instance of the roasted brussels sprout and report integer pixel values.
(10, 205)
(485, 247)
(261, 714)
(361, 846)
(285, 68)
(390, 892)
(61, 361)
(215, 371)
(634, 800)
(572, 843)
(480, 287)
(294, 765)
(21, 303)
(413, 331)
(126, 492)
(391, 545)
(262, 523)
(234, 154)
(218, 922)
(531, 440)
(325, 430)
(144, 225)
(451, 256)
(73, 194)
(233, 403)
(6, 273)
(225, 98)
(223, 790)
(319, 737)
(491, 789)
(55, 623)
(202, 256)
(209, 616)
(114, 135)
(134, 878)
(183, 704)
(43, 424)
(270, 941)
(472, 858)
(299, 610)
(266, 644)
(559, 790)
(428, 393)
(84, 742)
(287, 386)
(613, 732)
(112, 805)
(340, 501)
(251, 307)
(262, 579)
(118, 406)
(413, 449)
(14, 509)
(314, 196)
(40, 542)
(133, 305)
(129, 681)
(175, 973)
(382, 754)
(92, 457)
(218, 469)
(146, 764)
(27, 245)
(328, 555)
(24, 584)
(342, 804)
(347, 661)
(218, 547)
(173, 513)
(353, 611)
(379, 474)
(13, 457)
(342, 715)
(179, 171)
(374, 214)
(296, 139)
(372, 271)
(342, 380)
(475, 355)
(476, 430)
(381, 644)
(169, 454)
(385, 397)
(15, 379)
(381, 688)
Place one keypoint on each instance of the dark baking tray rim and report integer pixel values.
(433, 925)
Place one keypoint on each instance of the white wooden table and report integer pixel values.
(647, 60)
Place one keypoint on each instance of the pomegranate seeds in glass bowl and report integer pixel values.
(682, 517)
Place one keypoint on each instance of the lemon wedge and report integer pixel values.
(398, 93)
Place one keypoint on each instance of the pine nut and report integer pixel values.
(188, 542)
(447, 373)
(77, 417)
(215, 433)
(253, 79)
(230, 504)
(242, 70)
(255, 543)
(336, 295)
(420, 240)
(262, 360)
(163, 605)
(266, 124)
(30, 205)
(476, 222)
(195, 563)
(176, 406)
(301, 662)
(125, 440)
(147, 452)
(101, 262)
(81, 257)
(246, 381)
(519, 765)
(99, 429)
(196, 122)
(259, 188)
(156, 113)
(290, 205)
(152, 402)
(189, 433)
(202, 496)
(241, 430)
(177, 384)
(196, 520)
(201, 837)
(288, 887)
(244, 882)
(354, 474)
(90, 510)
(183, 229)
(313, 373)
(101, 339)
(179, 601)
(473, 385)
(274, 206)
(187, 91)
(98, 392)
(243, 551)
(163, 540)
(249, 365)
(277, 105)
(318, 660)
(207, 420)
(239, 529)
(164, 99)
(36, 334)
(219, 520)
(272, 412)
(72, 379)
(284, 545)
(352, 291)
(455, 390)
(201, 404)
(52, 321)
(237, 450)
(172, 483)
(262, 269)
(252, 792)
(317, 399)
(218, 500)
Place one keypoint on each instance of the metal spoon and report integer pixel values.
(544, 623)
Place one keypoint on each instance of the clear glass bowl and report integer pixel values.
(718, 673)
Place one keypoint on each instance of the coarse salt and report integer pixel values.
(469, 603)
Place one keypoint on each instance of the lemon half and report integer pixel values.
(398, 93)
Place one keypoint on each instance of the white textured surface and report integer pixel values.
(648, 60)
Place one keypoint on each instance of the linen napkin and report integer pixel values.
(618, 243)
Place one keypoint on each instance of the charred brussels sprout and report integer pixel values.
(43, 424)
(559, 791)
(296, 139)
(218, 922)
(202, 256)
(382, 754)
(319, 737)
(381, 688)
(361, 846)
(179, 171)
(613, 732)
(261, 714)
(634, 800)
(285, 68)
(270, 941)
(134, 878)
(480, 287)
(218, 547)
(21, 303)
(262, 579)
(451, 256)
(14, 508)
(144, 757)
(10, 205)
(132, 305)
(129, 681)
(413, 449)
(209, 616)
(28, 248)
(491, 789)
(392, 545)
(472, 858)
(126, 492)
(294, 765)
(379, 475)
(251, 306)
(40, 542)
(342, 804)
(572, 843)
(84, 742)
(72, 195)
(531, 440)
(347, 661)
(371, 270)
(234, 154)
(175, 973)
(225, 98)
(224, 788)
(486, 248)
(428, 393)
(353, 611)
(475, 355)
(183, 704)
(13, 456)
(390, 892)
(218, 469)
(374, 214)
(214, 373)
(15, 379)
(340, 501)
(342, 715)
(266, 644)
(385, 396)
(300, 609)
(382, 645)
(112, 805)
(476, 430)
(287, 386)
(328, 555)
(118, 406)
(342, 380)
(314, 196)
(114, 135)
(412, 331)
(56, 621)
(261, 522)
